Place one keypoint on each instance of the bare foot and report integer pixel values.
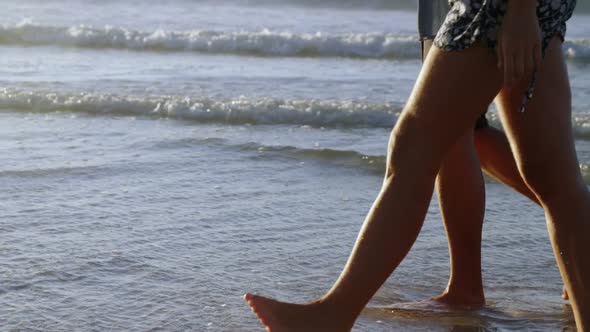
(459, 300)
(287, 317)
(426, 305)
(443, 302)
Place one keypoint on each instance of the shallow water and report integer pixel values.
(157, 166)
(136, 223)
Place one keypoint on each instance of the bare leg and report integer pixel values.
(420, 140)
(462, 204)
(461, 197)
(545, 153)
(493, 148)
(497, 160)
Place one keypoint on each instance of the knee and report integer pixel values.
(410, 149)
(540, 183)
(550, 184)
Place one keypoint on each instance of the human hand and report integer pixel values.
(519, 42)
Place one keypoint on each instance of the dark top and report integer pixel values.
(431, 15)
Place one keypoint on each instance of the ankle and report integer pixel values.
(336, 315)
(463, 297)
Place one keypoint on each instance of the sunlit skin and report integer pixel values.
(414, 159)
(460, 189)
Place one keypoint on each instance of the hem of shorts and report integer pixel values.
(478, 40)
(428, 37)
(486, 43)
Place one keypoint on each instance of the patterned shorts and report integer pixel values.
(470, 21)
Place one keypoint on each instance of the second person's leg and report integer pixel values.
(461, 196)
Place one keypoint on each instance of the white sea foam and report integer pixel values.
(577, 49)
(264, 42)
(312, 112)
(328, 113)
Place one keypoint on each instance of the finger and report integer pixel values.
(499, 58)
(519, 66)
(529, 64)
(537, 55)
(508, 63)
(499, 53)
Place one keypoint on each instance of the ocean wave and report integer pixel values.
(578, 49)
(240, 110)
(262, 43)
(581, 7)
(316, 113)
(373, 164)
(345, 158)
(344, 4)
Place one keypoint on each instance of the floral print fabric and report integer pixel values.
(470, 21)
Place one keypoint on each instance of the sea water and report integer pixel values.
(161, 158)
